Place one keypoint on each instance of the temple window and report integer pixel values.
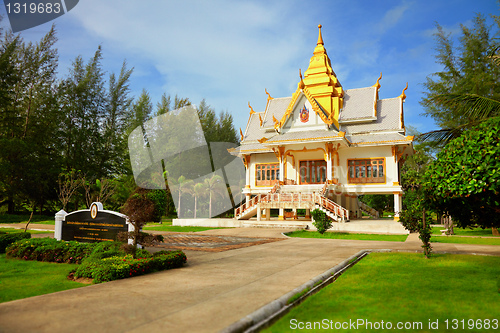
(267, 174)
(312, 172)
(366, 170)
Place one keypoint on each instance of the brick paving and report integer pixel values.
(209, 243)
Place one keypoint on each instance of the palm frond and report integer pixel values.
(440, 137)
(473, 106)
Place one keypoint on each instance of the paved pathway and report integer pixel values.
(214, 290)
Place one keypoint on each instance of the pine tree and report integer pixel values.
(465, 92)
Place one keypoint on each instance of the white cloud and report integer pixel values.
(392, 17)
(217, 49)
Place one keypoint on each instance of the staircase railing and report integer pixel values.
(369, 210)
(247, 205)
(337, 210)
(324, 190)
(275, 188)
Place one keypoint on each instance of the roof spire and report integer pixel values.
(320, 38)
(301, 83)
(251, 109)
(403, 95)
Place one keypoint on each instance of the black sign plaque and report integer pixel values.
(93, 225)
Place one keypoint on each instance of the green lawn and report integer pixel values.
(466, 231)
(167, 227)
(23, 278)
(14, 218)
(340, 235)
(465, 240)
(406, 288)
(12, 230)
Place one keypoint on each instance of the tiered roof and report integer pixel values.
(352, 117)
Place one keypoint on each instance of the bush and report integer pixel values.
(49, 249)
(321, 221)
(120, 267)
(160, 199)
(104, 261)
(7, 239)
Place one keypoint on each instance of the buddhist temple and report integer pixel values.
(322, 147)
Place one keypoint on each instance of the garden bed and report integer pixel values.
(101, 262)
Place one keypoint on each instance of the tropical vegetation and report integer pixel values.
(64, 138)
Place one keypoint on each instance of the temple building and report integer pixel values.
(322, 147)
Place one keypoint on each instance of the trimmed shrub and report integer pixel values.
(7, 239)
(120, 267)
(49, 249)
(104, 261)
(321, 221)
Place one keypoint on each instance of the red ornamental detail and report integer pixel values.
(304, 114)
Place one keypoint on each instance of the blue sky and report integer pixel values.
(229, 51)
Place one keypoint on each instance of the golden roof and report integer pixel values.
(322, 84)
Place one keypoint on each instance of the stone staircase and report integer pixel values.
(291, 200)
(368, 210)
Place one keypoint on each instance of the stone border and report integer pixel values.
(269, 313)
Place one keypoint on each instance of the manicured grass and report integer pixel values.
(466, 232)
(14, 218)
(465, 240)
(12, 230)
(22, 278)
(341, 235)
(405, 287)
(162, 227)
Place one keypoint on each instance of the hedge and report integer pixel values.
(104, 261)
(120, 267)
(50, 249)
(7, 239)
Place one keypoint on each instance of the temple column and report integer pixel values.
(268, 214)
(280, 154)
(282, 214)
(329, 154)
(308, 214)
(247, 196)
(282, 170)
(246, 162)
(259, 213)
(397, 204)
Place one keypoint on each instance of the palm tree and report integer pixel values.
(214, 185)
(184, 186)
(476, 108)
(199, 190)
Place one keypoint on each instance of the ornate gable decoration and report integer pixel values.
(320, 86)
(304, 114)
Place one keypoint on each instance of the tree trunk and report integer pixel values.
(210, 207)
(195, 206)
(31, 216)
(179, 205)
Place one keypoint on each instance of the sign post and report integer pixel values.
(93, 225)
